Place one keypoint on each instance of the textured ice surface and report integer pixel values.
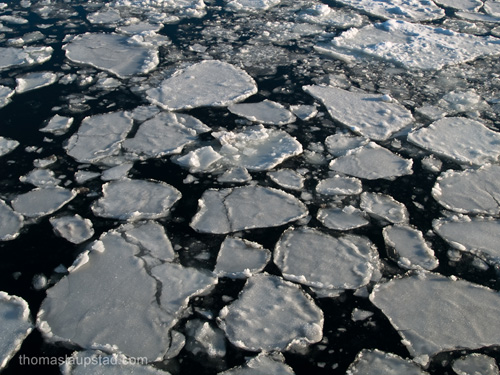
(322, 14)
(287, 178)
(40, 177)
(345, 218)
(26, 56)
(200, 159)
(271, 314)
(461, 139)
(5, 95)
(376, 362)
(58, 125)
(135, 200)
(265, 112)
(410, 246)
(475, 364)
(358, 314)
(492, 8)
(339, 144)
(264, 363)
(250, 5)
(204, 338)
(209, 83)
(74, 228)
(384, 207)
(33, 81)
(183, 8)
(239, 259)
(42, 201)
(339, 186)
(470, 191)
(372, 162)
(15, 325)
(411, 45)
(316, 259)
(114, 53)
(117, 173)
(10, 222)
(7, 145)
(303, 111)
(236, 174)
(465, 5)
(232, 210)
(373, 116)
(83, 176)
(457, 314)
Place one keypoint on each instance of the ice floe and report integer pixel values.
(376, 362)
(5, 95)
(73, 228)
(464, 5)
(475, 363)
(40, 177)
(264, 363)
(42, 201)
(250, 5)
(384, 207)
(200, 159)
(7, 145)
(339, 144)
(58, 125)
(117, 173)
(287, 178)
(26, 56)
(234, 175)
(231, 210)
(265, 112)
(345, 218)
(339, 185)
(322, 14)
(10, 222)
(271, 314)
(204, 338)
(163, 9)
(208, 83)
(33, 81)
(150, 236)
(457, 314)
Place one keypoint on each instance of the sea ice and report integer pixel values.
(358, 314)
(203, 338)
(304, 112)
(42, 201)
(33, 81)
(117, 173)
(475, 364)
(183, 8)
(372, 162)
(200, 159)
(208, 83)
(265, 112)
(58, 125)
(376, 362)
(374, 116)
(7, 145)
(287, 178)
(104, 16)
(5, 95)
(492, 8)
(345, 218)
(313, 258)
(457, 313)
(322, 14)
(264, 363)
(250, 5)
(41, 178)
(464, 5)
(339, 185)
(235, 175)
(231, 210)
(384, 207)
(135, 200)
(460, 139)
(83, 176)
(26, 56)
(74, 228)
(271, 314)
(339, 144)
(10, 222)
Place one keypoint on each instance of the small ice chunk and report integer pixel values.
(235, 175)
(200, 159)
(339, 144)
(231, 210)
(358, 314)
(265, 112)
(271, 314)
(10, 222)
(250, 5)
(431, 112)
(384, 207)
(45, 162)
(342, 218)
(372, 162)
(104, 16)
(35, 80)
(7, 145)
(287, 178)
(432, 163)
(5, 95)
(39, 282)
(376, 362)
(203, 338)
(58, 125)
(492, 8)
(369, 115)
(461, 139)
(135, 200)
(464, 5)
(74, 228)
(339, 185)
(150, 236)
(475, 364)
(238, 259)
(117, 173)
(263, 363)
(26, 56)
(208, 83)
(83, 176)
(304, 112)
(41, 178)
(42, 201)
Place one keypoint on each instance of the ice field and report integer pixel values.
(250, 187)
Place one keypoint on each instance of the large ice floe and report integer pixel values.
(42, 201)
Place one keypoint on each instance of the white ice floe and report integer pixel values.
(339, 144)
(232, 210)
(339, 185)
(250, 5)
(411, 45)
(412, 250)
(235, 175)
(73, 228)
(104, 16)
(372, 162)
(40, 177)
(271, 314)
(476, 16)
(33, 81)
(15, 326)
(464, 5)
(42, 201)
(470, 191)
(358, 314)
(26, 56)
(239, 259)
(265, 112)
(99, 137)
(459, 101)
(304, 112)
(83, 176)
(345, 218)
(492, 8)
(161, 9)
(203, 338)
(7, 145)
(475, 364)
(10, 222)
(264, 363)
(58, 125)
(208, 83)
(135, 200)
(5, 95)
(200, 159)
(384, 207)
(376, 362)
(457, 313)
(117, 173)
(374, 116)
(287, 178)
(460, 139)
(117, 54)
(314, 258)
(432, 163)
(322, 14)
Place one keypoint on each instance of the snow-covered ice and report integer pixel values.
(322, 14)
(376, 362)
(42, 201)
(339, 185)
(263, 363)
(200, 159)
(10, 222)
(33, 81)
(5, 95)
(250, 5)
(339, 144)
(26, 56)
(117, 173)
(287, 178)
(204, 338)
(58, 125)
(73, 228)
(384, 207)
(345, 218)
(7, 145)
(265, 112)
(474, 364)
(464, 5)
(40, 177)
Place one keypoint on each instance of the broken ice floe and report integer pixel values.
(15, 326)
(58, 125)
(239, 259)
(470, 191)
(74, 228)
(460, 139)
(135, 200)
(265, 112)
(161, 10)
(264, 363)
(372, 162)
(114, 53)
(474, 364)
(373, 116)
(10, 222)
(42, 201)
(411, 45)
(33, 81)
(287, 178)
(457, 314)
(376, 362)
(7, 145)
(208, 83)
(200, 159)
(232, 210)
(203, 338)
(345, 218)
(384, 207)
(250, 5)
(271, 314)
(316, 259)
(339, 186)
(339, 144)
(322, 14)
(26, 56)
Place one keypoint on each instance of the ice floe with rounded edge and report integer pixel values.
(231, 210)
(7, 145)
(457, 313)
(26, 56)
(239, 259)
(474, 364)
(372, 162)
(263, 363)
(322, 14)
(73, 228)
(135, 200)
(345, 218)
(374, 116)
(412, 251)
(208, 83)
(287, 178)
(271, 314)
(58, 125)
(265, 112)
(460, 139)
(35, 80)
(339, 144)
(15, 326)
(470, 191)
(376, 362)
(40, 177)
(384, 207)
(114, 53)
(481, 17)
(412, 46)
(465, 5)
(339, 185)
(10, 222)
(250, 5)
(42, 201)
(311, 257)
